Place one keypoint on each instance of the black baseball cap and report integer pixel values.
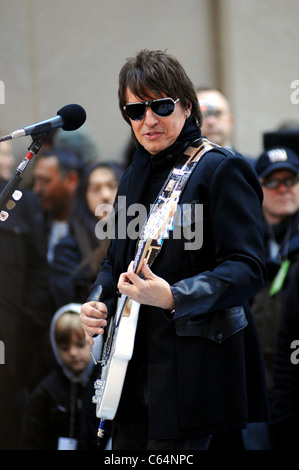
(277, 158)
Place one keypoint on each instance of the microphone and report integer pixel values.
(69, 118)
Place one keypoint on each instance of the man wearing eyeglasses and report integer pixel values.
(196, 367)
(278, 170)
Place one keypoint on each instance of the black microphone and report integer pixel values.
(69, 118)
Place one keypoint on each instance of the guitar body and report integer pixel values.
(108, 388)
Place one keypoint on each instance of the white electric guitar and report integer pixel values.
(119, 345)
(118, 348)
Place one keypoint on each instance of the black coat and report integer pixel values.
(59, 408)
(267, 309)
(24, 280)
(204, 366)
(70, 276)
(64, 277)
(24, 314)
(284, 427)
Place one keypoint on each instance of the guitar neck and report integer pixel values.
(147, 250)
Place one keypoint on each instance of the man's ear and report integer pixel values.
(188, 110)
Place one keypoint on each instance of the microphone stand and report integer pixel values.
(14, 182)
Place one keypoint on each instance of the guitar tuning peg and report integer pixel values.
(17, 195)
(3, 216)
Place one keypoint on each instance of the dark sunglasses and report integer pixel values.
(275, 183)
(162, 108)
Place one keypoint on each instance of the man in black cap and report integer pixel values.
(278, 171)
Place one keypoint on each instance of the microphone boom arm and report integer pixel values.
(14, 182)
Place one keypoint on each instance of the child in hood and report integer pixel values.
(60, 413)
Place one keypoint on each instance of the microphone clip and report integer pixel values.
(9, 193)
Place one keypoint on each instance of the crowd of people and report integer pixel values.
(214, 363)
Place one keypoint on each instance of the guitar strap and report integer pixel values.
(159, 221)
(155, 229)
(168, 198)
(160, 218)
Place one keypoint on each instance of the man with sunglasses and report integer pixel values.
(278, 170)
(196, 367)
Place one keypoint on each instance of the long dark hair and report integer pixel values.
(156, 72)
(82, 221)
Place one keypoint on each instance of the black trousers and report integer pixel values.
(133, 436)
